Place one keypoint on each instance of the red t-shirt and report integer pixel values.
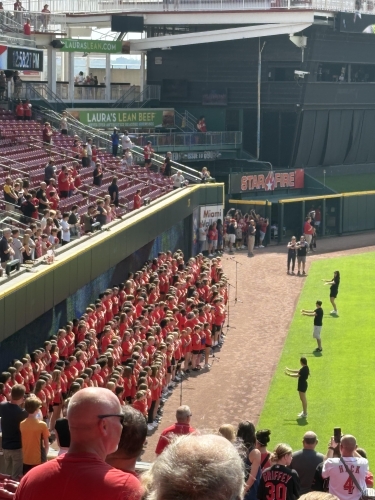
(167, 435)
(27, 29)
(307, 228)
(27, 109)
(76, 476)
(137, 201)
(19, 110)
(63, 181)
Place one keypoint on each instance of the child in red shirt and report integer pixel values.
(140, 402)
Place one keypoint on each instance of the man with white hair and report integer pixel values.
(208, 465)
(95, 424)
(178, 180)
(182, 426)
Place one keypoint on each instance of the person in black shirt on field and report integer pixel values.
(279, 482)
(334, 282)
(302, 247)
(302, 374)
(291, 255)
(318, 322)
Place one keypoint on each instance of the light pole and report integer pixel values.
(324, 177)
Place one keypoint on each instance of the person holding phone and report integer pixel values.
(302, 374)
(334, 290)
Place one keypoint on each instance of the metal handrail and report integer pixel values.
(123, 98)
(92, 132)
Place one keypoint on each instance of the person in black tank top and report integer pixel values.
(252, 458)
(334, 290)
(302, 374)
(279, 482)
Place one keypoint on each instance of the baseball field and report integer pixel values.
(342, 377)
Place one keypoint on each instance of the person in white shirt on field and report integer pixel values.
(340, 482)
(178, 180)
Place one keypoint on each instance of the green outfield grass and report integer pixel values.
(341, 390)
(350, 183)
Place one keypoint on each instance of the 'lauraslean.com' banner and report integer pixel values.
(125, 118)
(99, 46)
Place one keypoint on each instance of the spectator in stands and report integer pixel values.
(246, 433)
(27, 110)
(49, 171)
(333, 468)
(280, 476)
(47, 136)
(12, 415)
(305, 461)
(6, 251)
(137, 199)
(101, 213)
(263, 438)
(34, 434)
(133, 437)
(201, 125)
(27, 28)
(64, 123)
(95, 423)
(178, 180)
(126, 141)
(65, 229)
(89, 152)
(19, 110)
(205, 175)
(167, 167)
(63, 180)
(209, 465)
(16, 245)
(127, 160)
(45, 17)
(115, 138)
(182, 426)
(10, 197)
(42, 197)
(28, 208)
(228, 431)
(113, 191)
(3, 85)
(17, 85)
(369, 476)
(98, 174)
(73, 222)
(148, 154)
(88, 219)
(84, 156)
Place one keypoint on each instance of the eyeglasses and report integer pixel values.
(120, 416)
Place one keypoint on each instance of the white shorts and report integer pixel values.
(232, 238)
(316, 332)
(214, 244)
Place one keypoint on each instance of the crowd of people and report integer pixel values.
(102, 442)
(137, 339)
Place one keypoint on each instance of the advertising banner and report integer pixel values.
(210, 214)
(125, 118)
(98, 46)
(266, 181)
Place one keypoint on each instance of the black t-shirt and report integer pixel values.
(279, 483)
(73, 219)
(101, 217)
(231, 229)
(113, 188)
(4, 246)
(97, 177)
(335, 285)
(318, 319)
(63, 432)
(49, 172)
(11, 417)
(302, 249)
(27, 208)
(303, 375)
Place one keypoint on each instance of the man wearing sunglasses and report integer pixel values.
(95, 423)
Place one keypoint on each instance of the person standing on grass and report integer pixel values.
(302, 247)
(292, 254)
(334, 282)
(302, 374)
(318, 322)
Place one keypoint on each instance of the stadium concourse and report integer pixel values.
(236, 386)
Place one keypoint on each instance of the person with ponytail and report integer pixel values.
(263, 438)
(252, 457)
(279, 482)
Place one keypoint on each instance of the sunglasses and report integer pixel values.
(119, 415)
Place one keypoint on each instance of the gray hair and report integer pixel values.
(202, 467)
(183, 413)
